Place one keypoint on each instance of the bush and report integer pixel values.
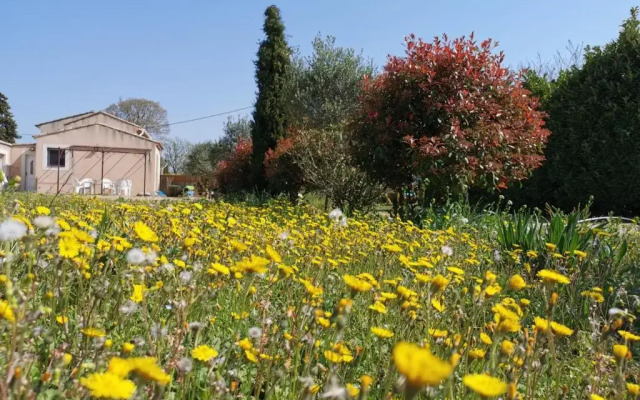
(450, 113)
(595, 148)
(325, 159)
(281, 170)
(234, 174)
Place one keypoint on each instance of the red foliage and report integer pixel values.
(449, 111)
(234, 173)
(282, 173)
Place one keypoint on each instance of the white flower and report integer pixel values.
(497, 255)
(168, 268)
(151, 257)
(465, 220)
(136, 257)
(255, 332)
(12, 229)
(447, 250)
(184, 365)
(43, 221)
(335, 214)
(185, 276)
(129, 307)
(343, 222)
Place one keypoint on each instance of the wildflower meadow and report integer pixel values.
(211, 300)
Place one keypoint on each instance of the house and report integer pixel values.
(74, 154)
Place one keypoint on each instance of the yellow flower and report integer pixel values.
(594, 396)
(352, 390)
(138, 293)
(507, 348)
(633, 389)
(6, 312)
(485, 385)
(419, 366)
(629, 336)
(550, 246)
(381, 332)
(217, 268)
(366, 381)
(61, 319)
(356, 284)
(620, 351)
(392, 248)
(93, 332)
(245, 344)
(580, 254)
(516, 282)
(485, 339)
(69, 247)
(549, 276)
(204, 353)
(541, 324)
(128, 347)
(439, 282)
(144, 232)
(273, 255)
(560, 329)
(254, 264)
(378, 307)
(43, 210)
(437, 305)
(475, 354)
(438, 333)
(509, 325)
(108, 386)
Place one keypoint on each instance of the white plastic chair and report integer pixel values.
(124, 185)
(107, 185)
(82, 186)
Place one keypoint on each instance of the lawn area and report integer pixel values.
(211, 300)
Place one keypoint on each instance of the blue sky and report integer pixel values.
(196, 57)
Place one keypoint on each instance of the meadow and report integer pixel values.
(211, 300)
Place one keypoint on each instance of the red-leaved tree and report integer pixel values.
(234, 174)
(450, 113)
(281, 169)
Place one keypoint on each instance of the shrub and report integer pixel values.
(595, 147)
(281, 170)
(450, 113)
(325, 159)
(234, 173)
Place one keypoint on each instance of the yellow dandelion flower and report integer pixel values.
(93, 332)
(561, 330)
(476, 354)
(381, 332)
(138, 293)
(273, 254)
(357, 284)
(108, 386)
(378, 307)
(204, 353)
(516, 282)
(419, 366)
(633, 389)
(485, 339)
(144, 232)
(549, 276)
(629, 336)
(485, 385)
(620, 351)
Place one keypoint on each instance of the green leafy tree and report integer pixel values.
(270, 109)
(145, 113)
(594, 149)
(324, 87)
(8, 126)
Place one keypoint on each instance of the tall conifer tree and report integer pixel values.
(270, 112)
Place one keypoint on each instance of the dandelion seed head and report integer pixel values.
(12, 229)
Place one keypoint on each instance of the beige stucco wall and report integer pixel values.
(17, 160)
(84, 164)
(59, 124)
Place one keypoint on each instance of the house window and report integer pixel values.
(55, 157)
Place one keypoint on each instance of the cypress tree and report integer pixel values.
(270, 110)
(8, 126)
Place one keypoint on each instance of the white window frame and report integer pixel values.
(45, 154)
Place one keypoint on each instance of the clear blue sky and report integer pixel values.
(195, 57)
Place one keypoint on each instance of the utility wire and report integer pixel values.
(198, 119)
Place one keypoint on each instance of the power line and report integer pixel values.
(208, 116)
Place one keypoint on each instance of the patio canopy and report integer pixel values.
(102, 150)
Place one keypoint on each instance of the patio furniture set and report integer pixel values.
(121, 187)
